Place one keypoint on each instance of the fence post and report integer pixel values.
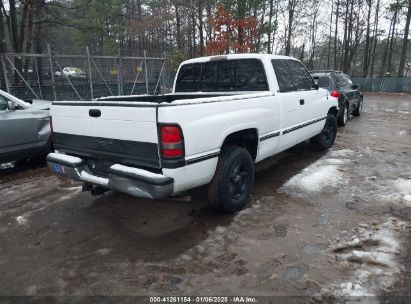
(38, 77)
(6, 80)
(51, 72)
(165, 73)
(119, 85)
(21, 77)
(159, 76)
(90, 79)
(145, 69)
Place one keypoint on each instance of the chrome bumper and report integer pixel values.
(133, 181)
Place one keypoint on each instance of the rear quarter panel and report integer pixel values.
(206, 125)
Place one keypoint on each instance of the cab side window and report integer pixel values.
(282, 72)
(301, 78)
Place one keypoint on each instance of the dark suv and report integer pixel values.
(339, 85)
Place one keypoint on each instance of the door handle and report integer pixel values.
(302, 101)
(94, 113)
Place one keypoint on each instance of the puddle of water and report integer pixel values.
(314, 249)
(294, 273)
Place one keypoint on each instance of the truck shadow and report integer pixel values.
(140, 229)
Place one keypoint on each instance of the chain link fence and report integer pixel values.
(390, 84)
(82, 77)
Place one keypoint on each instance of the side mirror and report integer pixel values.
(316, 86)
(355, 86)
(11, 105)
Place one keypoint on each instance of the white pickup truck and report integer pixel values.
(225, 114)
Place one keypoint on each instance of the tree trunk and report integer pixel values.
(329, 37)
(389, 65)
(200, 27)
(2, 50)
(348, 36)
(270, 25)
(193, 30)
(262, 19)
(302, 53)
(384, 58)
(291, 11)
(240, 16)
(140, 30)
(14, 36)
(29, 40)
(405, 42)
(366, 61)
(336, 34)
(345, 39)
(377, 9)
(2, 36)
(178, 27)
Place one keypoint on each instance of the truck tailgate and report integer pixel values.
(122, 133)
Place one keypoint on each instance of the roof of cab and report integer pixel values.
(236, 56)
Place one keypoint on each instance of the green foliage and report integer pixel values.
(176, 57)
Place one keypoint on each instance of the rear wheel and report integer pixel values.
(326, 138)
(343, 116)
(231, 185)
(358, 109)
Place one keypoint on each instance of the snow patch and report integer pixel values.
(138, 172)
(342, 153)
(374, 251)
(336, 161)
(94, 179)
(64, 158)
(403, 186)
(315, 178)
(325, 173)
(21, 220)
(401, 132)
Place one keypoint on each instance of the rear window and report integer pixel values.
(225, 75)
(343, 82)
(322, 81)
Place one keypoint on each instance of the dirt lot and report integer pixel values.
(324, 225)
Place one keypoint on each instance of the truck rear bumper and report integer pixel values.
(133, 181)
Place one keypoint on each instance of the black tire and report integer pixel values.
(342, 118)
(358, 109)
(326, 138)
(231, 185)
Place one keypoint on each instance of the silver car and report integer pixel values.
(24, 128)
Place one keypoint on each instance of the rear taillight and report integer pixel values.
(172, 141)
(336, 94)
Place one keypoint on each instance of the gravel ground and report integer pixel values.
(328, 226)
